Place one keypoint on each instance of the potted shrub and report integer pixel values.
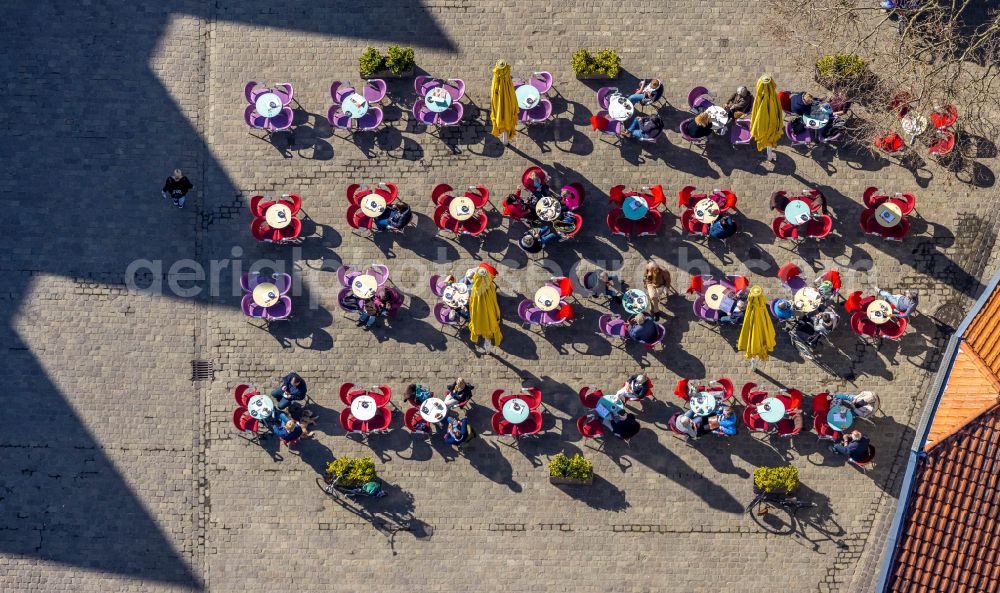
(784, 479)
(604, 65)
(847, 71)
(570, 470)
(356, 471)
(398, 63)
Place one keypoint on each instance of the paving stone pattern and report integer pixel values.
(120, 473)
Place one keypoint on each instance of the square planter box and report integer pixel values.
(384, 74)
(570, 481)
(595, 76)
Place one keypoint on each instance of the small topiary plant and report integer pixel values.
(370, 62)
(608, 62)
(355, 471)
(772, 479)
(605, 62)
(574, 468)
(840, 67)
(583, 62)
(400, 59)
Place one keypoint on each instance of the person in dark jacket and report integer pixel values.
(801, 104)
(396, 216)
(636, 386)
(458, 393)
(649, 91)
(176, 188)
(855, 445)
(741, 102)
(458, 432)
(723, 227)
(625, 426)
(292, 389)
(642, 329)
(700, 126)
(647, 126)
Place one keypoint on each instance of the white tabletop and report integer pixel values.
(461, 208)
(268, 104)
(456, 294)
(438, 100)
(355, 105)
(807, 299)
(771, 409)
(373, 205)
(719, 117)
(265, 294)
(363, 407)
(879, 311)
(547, 298)
(888, 214)
(364, 286)
(798, 212)
(278, 216)
(515, 410)
(619, 107)
(547, 208)
(714, 295)
(433, 410)
(706, 210)
(260, 406)
(703, 404)
(527, 96)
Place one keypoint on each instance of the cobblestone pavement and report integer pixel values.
(120, 473)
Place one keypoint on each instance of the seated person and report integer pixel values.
(782, 309)
(735, 314)
(725, 421)
(687, 424)
(416, 394)
(904, 304)
(458, 432)
(302, 415)
(517, 208)
(636, 387)
(723, 227)
(741, 102)
(395, 217)
(537, 184)
(458, 393)
(642, 329)
(624, 426)
(287, 429)
(805, 330)
(649, 91)
(538, 237)
(825, 322)
(607, 285)
(855, 445)
(645, 126)
(565, 225)
(292, 389)
(825, 289)
(801, 103)
(863, 404)
(371, 310)
(699, 127)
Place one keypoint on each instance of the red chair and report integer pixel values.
(819, 228)
(617, 194)
(529, 171)
(834, 277)
(531, 426)
(788, 427)
(893, 329)
(739, 282)
(890, 144)
(821, 404)
(497, 399)
(564, 284)
(389, 193)
(905, 205)
(255, 208)
(292, 231)
(693, 226)
(944, 117)
(752, 420)
(262, 232)
(868, 224)
(656, 192)
(853, 302)
(501, 426)
(531, 396)
(754, 397)
(410, 418)
(565, 313)
(474, 226)
(785, 99)
(863, 326)
(686, 197)
(352, 194)
(869, 197)
(246, 423)
(729, 202)
(681, 390)
(480, 196)
(869, 460)
(381, 421)
(787, 272)
(782, 229)
(795, 398)
(895, 233)
(590, 430)
(824, 431)
(358, 219)
(619, 224)
(382, 396)
(294, 203)
(440, 192)
(649, 224)
(727, 387)
(589, 398)
(349, 423)
(348, 393)
(243, 393)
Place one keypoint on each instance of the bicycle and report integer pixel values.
(790, 503)
(371, 489)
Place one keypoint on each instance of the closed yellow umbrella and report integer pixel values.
(484, 311)
(766, 118)
(503, 103)
(757, 334)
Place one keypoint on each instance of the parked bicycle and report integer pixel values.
(764, 500)
(372, 489)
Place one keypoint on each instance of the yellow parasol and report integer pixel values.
(484, 311)
(766, 118)
(757, 334)
(503, 103)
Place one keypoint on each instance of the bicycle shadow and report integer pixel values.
(807, 525)
(389, 514)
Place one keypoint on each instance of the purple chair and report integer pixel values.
(660, 333)
(283, 281)
(822, 137)
(614, 128)
(252, 119)
(445, 315)
(528, 313)
(347, 301)
(284, 90)
(703, 311)
(249, 281)
(248, 91)
(282, 121)
(418, 84)
(374, 91)
(603, 95)
(337, 119)
(371, 119)
(740, 134)
(803, 137)
(344, 93)
(452, 115)
(345, 275)
(280, 310)
(422, 114)
(702, 103)
(795, 283)
(334, 90)
(612, 326)
(551, 318)
(703, 142)
(697, 93)
(456, 89)
(540, 112)
(437, 285)
(541, 81)
(250, 308)
(381, 273)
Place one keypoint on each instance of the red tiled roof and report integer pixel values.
(950, 540)
(971, 389)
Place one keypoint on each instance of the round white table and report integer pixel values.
(619, 107)
(265, 294)
(635, 301)
(260, 406)
(268, 104)
(635, 207)
(438, 100)
(456, 294)
(433, 410)
(840, 417)
(278, 216)
(527, 96)
(714, 295)
(888, 214)
(703, 404)
(373, 205)
(798, 212)
(547, 208)
(355, 106)
(547, 298)
(807, 299)
(879, 311)
(461, 208)
(719, 117)
(363, 407)
(706, 211)
(364, 286)
(771, 410)
(515, 410)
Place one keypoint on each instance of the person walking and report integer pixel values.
(176, 188)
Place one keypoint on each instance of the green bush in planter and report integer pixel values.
(356, 471)
(839, 67)
(771, 479)
(574, 468)
(608, 62)
(583, 62)
(371, 62)
(400, 59)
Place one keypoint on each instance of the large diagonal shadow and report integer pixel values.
(92, 134)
